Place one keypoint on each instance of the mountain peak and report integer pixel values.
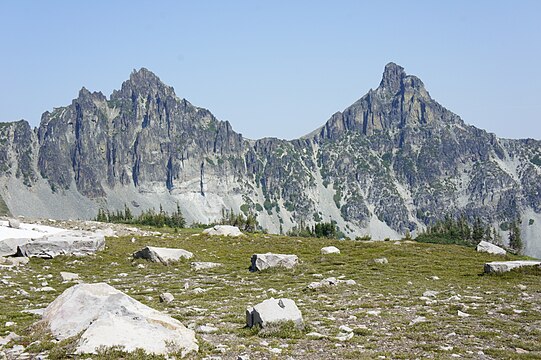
(143, 74)
(143, 81)
(393, 75)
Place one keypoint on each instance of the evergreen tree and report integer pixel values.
(515, 240)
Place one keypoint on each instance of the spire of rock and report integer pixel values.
(392, 77)
(144, 82)
(144, 75)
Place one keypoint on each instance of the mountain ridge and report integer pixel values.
(392, 162)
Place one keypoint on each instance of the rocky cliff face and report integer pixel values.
(392, 162)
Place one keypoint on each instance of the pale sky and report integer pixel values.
(277, 68)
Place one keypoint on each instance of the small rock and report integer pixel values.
(430, 293)
(345, 328)
(207, 329)
(68, 276)
(166, 298)
(521, 351)
(462, 314)
(330, 250)
(418, 319)
(382, 260)
(45, 289)
(204, 265)
(315, 335)
(345, 337)
(275, 350)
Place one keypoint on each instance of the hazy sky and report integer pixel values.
(277, 68)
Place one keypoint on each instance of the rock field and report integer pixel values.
(424, 301)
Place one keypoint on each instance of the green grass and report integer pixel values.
(393, 289)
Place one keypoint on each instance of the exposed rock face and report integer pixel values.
(269, 260)
(392, 162)
(108, 317)
(273, 311)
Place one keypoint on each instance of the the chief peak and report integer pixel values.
(393, 75)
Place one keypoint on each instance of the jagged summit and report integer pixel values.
(143, 82)
(143, 74)
(393, 75)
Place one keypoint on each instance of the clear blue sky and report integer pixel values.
(277, 68)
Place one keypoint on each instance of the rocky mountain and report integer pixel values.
(392, 162)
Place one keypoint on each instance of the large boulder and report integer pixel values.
(11, 238)
(14, 223)
(485, 246)
(223, 230)
(107, 317)
(9, 246)
(505, 266)
(270, 260)
(65, 243)
(163, 255)
(273, 311)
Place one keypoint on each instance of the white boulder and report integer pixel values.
(14, 223)
(107, 317)
(8, 246)
(223, 230)
(163, 255)
(69, 276)
(330, 250)
(382, 261)
(505, 266)
(273, 311)
(270, 260)
(485, 246)
(166, 297)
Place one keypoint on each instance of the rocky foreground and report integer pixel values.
(392, 299)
